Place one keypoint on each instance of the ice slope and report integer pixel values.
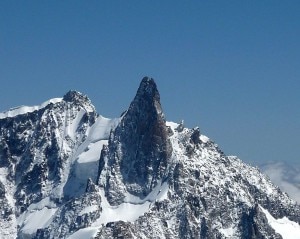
(86, 233)
(31, 221)
(85, 160)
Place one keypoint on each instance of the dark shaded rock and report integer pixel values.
(195, 137)
(180, 127)
(254, 225)
(139, 148)
(75, 97)
(2, 190)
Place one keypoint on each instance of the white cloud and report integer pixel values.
(285, 176)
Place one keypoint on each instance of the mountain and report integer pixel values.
(68, 172)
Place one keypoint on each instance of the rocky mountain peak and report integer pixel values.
(147, 99)
(139, 147)
(75, 96)
(148, 88)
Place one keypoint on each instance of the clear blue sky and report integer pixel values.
(230, 67)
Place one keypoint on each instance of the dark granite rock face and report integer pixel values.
(139, 148)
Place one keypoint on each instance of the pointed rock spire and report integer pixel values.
(139, 148)
(147, 90)
(146, 107)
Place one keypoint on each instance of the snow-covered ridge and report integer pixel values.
(20, 110)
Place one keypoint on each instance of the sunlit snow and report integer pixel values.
(285, 227)
(27, 109)
(132, 208)
(228, 232)
(85, 159)
(33, 220)
(85, 233)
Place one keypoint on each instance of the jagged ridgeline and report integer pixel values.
(68, 172)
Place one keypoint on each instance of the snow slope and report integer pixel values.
(285, 227)
(85, 160)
